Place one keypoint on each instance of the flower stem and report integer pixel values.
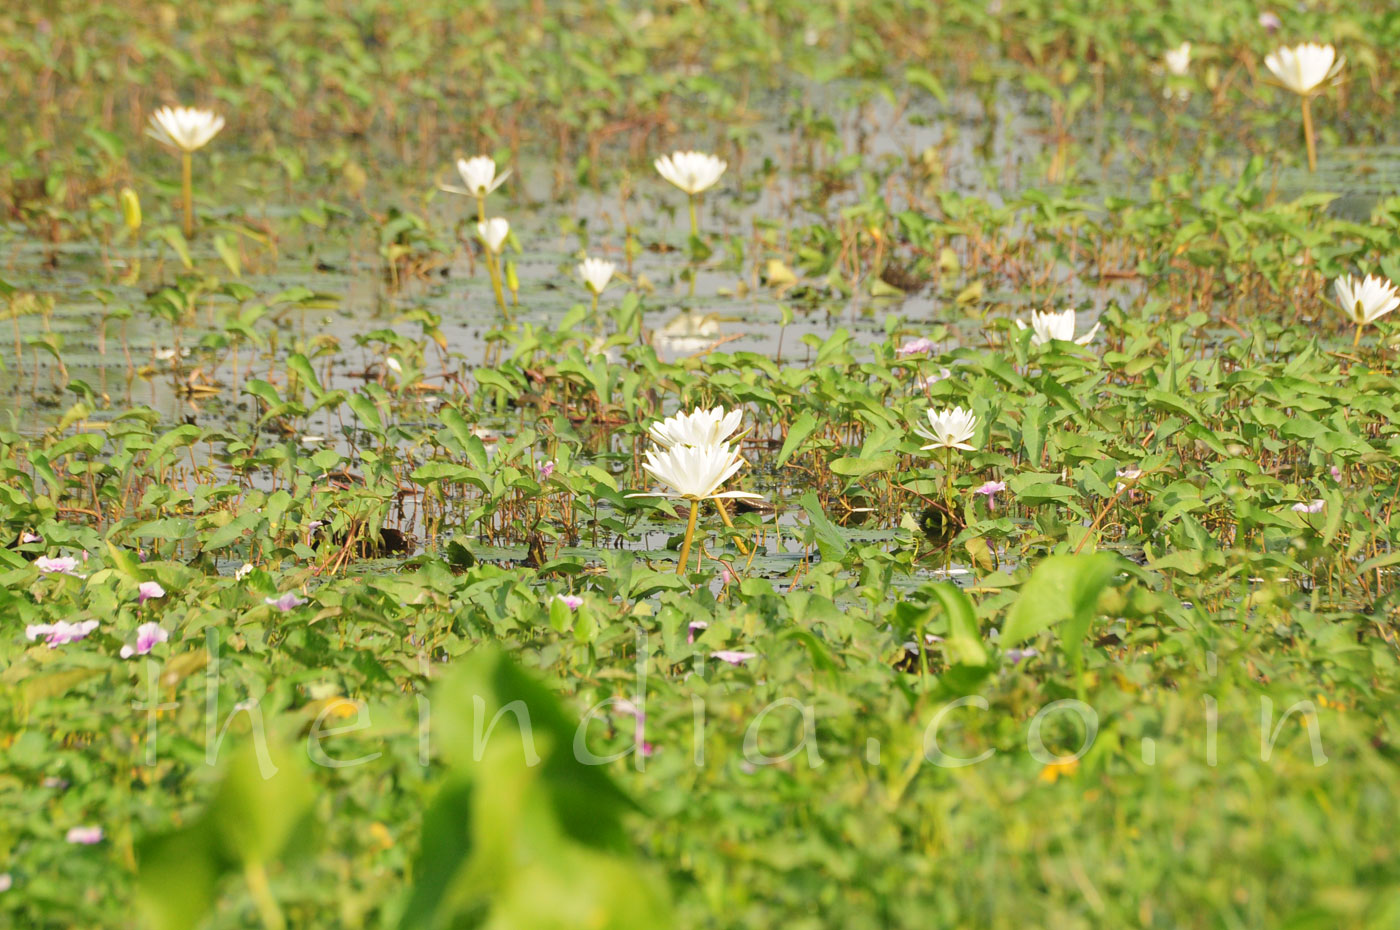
(597, 323)
(256, 877)
(948, 477)
(689, 536)
(724, 515)
(187, 190)
(491, 265)
(1357, 340)
(1308, 133)
(694, 220)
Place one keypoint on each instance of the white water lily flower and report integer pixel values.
(1178, 60)
(1304, 68)
(949, 429)
(184, 128)
(596, 273)
(700, 427)
(1368, 300)
(479, 175)
(692, 172)
(694, 473)
(1050, 326)
(493, 233)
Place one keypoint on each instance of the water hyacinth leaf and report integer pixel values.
(523, 833)
(860, 466)
(177, 877)
(1061, 588)
(797, 434)
(260, 806)
(298, 364)
(261, 803)
(830, 542)
(366, 410)
(964, 641)
(588, 804)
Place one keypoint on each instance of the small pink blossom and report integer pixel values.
(85, 836)
(571, 601)
(990, 490)
(1336, 473)
(286, 601)
(61, 565)
(546, 469)
(920, 346)
(6, 882)
(60, 633)
(700, 625)
(639, 735)
(147, 590)
(1270, 21)
(924, 382)
(1014, 656)
(1314, 507)
(147, 635)
(27, 537)
(733, 656)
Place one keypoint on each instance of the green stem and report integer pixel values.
(694, 220)
(689, 536)
(948, 477)
(597, 323)
(256, 877)
(724, 515)
(187, 189)
(491, 265)
(1357, 340)
(1308, 133)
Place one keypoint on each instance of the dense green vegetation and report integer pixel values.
(296, 508)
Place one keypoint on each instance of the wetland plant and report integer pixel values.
(595, 274)
(694, 173)
(1305, 69)
(1365, 301)
(494, 233)
(1049, 326)
(694, 474)
(186, 130)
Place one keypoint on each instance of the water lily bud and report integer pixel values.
(513, 281)
(131, 208)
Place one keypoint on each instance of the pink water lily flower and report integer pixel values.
(639, 735)
(733, 656)
(285, 602)
(147, 590)
(147, 635)
(990, 490)
(571, 601)
(60, 633)
(60, 565)
(920, 346)
(1314, 506)
(84, 836)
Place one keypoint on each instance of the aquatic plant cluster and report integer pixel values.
(740, 464)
